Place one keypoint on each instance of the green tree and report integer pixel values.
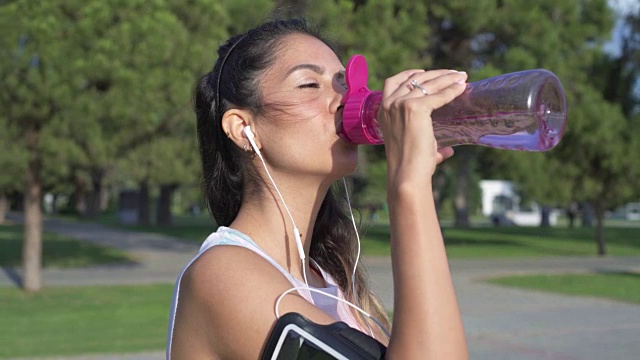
(167, 163)
(613, 176)
(12, 160)
(151, 87)
(592, 162)
(174, 162)
(130, 93)
(86, 82)
(508, 39)
(33, 93)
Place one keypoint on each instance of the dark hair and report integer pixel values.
(226, 171)
(245, 57)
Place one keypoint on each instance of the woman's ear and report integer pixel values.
(233, 123)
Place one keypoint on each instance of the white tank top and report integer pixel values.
(227, 236)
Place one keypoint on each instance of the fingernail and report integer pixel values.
(461, 81)
(459, 72)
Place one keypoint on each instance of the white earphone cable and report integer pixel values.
(355, 265)
(298, 240)
(336, 298)
(296, 232)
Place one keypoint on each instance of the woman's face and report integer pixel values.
(303, 91)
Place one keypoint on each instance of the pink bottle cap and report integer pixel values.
(357, 76)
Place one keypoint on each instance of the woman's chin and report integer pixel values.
(347, 166)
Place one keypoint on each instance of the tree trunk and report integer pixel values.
(600, 240)
(32, 246)
(54, 204)
(80, 195)
(4, 206)
(105, 197)
(95, 196)
(163, 210)
(545, 213)
(144, 215)
(16, 201)
(466, 157)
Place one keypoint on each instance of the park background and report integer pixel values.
(97, 127)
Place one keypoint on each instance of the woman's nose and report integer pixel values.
(338, 100)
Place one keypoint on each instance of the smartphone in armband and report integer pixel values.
(295, 337)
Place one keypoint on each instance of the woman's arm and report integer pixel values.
(427, 322)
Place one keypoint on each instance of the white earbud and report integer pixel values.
(249, 134)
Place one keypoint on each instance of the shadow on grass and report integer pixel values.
(614, 235)
(455, 241)
(13, 275)
(521, 241)
(58, 251)
(381, 233)
(511, 243)
(631, 275)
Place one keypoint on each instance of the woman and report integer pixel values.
(285, 84)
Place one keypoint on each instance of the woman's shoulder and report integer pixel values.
(227, 268)
(220, 261)
(222, 294)
(230, 292)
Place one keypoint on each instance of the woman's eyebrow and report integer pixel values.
(315, 68)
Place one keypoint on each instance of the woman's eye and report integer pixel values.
(309, 85)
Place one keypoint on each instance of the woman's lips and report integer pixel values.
(339, 121)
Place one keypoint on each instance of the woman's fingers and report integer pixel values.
(438, 98)
(437, 84)
(432, 81)
(444, 154)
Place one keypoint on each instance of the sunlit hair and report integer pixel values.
(227, 170)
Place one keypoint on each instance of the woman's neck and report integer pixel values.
(265, 219)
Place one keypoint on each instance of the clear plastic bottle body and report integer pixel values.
(524, 110)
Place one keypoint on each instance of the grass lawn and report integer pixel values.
(617, 286)
(623, 238)
(58, 251)
(485, 242)
(83, 320)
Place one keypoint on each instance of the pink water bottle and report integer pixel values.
(525, 110)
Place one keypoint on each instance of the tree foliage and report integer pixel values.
(97, 93)
(87, 85)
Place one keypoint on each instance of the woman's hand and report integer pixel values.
(405, 116)
(427, 323)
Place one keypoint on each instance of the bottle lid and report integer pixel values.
(353, 126)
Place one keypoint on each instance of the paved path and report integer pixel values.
(501, 323)
(158, 258)
(507, 323)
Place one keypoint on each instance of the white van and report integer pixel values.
(632, 211)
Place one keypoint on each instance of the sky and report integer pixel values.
(620, 8)
(625, 6)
